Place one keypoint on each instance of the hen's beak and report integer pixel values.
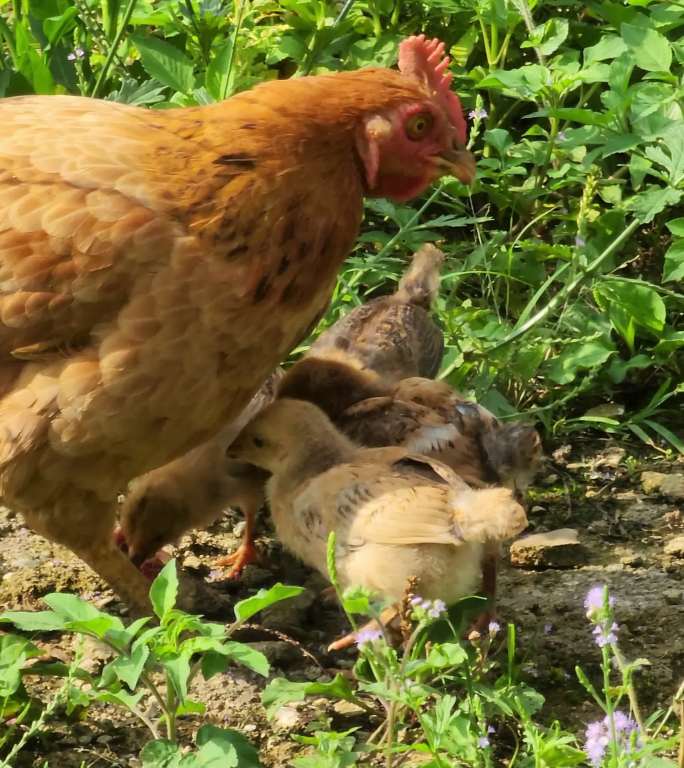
(459, 163)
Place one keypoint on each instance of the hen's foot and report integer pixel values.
(245, 554)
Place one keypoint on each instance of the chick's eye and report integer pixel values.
(418, 125)
(258, 442)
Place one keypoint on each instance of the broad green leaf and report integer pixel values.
(281, 691)
(161, 754)
(34, 621)
(548, 37)
(122, 698)
(177, 667)
(98, 626)
(676, 227)
(164, 590)
(608, 47)
(71, 607)
(525, 82)
(576, 356)
(640, 301)
(673, 268)
(217, 744)
(129, 668)
(446, 655)
(14, 652)
(217, 78)
(652, 201)
(57, 26)
(247, 656)
(650, 49)
(165, 62)
(263, 598)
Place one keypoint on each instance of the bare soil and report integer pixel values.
(594, 488)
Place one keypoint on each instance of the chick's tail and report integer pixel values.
(488, 515)
(420, 283)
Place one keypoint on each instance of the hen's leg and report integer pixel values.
(84, 525)
(247, 552)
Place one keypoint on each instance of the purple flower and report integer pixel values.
(483, 742)
(77, 53)
(580, 242)
(367, 636)
(594, 601)
(416, 600)
(477, 114)
(437, 609)
(493, 628)
(605, 635)
(622, 722)
(561, 136)
(596, 742)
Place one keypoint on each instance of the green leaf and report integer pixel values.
(57, 26)
(177, 667)
(281, 691)
(650, 49)
(165, 63)
(215, 744)
(673, 268)
(647, 204)
(34, 621)
(676, 227)
(577, 356)
(164, 590)
(72, 608)
(263, 598)
(444, 655)
(217, 76)
(14, 652)
(548, 37)
(638, 300)
(608, 47)
(161, 754)
(129, 668)
(247, 656)
(121, 698)
(666, 434)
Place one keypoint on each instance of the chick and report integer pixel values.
(396, 514)
(393, 336)
(193, 491)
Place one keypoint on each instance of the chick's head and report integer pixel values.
(408, 146)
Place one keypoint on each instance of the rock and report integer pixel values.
(555, 549)
(239, 529)
(278, 651)
(675, 546)
(672, 596)
(193, 563)
(348, 708)
(286, 718)
(289, 616)
(651, 481)
(632, 560)
(254, 576)
(671, 486)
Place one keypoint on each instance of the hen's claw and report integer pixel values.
(245, 554)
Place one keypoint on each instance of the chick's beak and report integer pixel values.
(459, 163)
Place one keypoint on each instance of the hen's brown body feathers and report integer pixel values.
(155, 266)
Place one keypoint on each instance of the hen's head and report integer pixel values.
(414, 142)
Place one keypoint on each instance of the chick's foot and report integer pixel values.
(245, 554)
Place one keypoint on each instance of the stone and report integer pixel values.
(348, 708)
(673, 486)
(555, 549)
(286, 718)
(193, 563)
(672, 596)
(278, 652)
(290, 615)
(675, 546)
(651, 481)
(239, 529)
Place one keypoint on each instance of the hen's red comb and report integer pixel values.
(426, 61)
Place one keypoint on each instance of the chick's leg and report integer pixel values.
(84, 524)
(388, 618)
(247, 552)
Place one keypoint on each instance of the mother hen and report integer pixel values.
(155, 266)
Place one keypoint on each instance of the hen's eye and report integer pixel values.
(417, 126)
(258, 442)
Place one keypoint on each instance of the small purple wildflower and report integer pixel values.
(367, 636)
(605, 635)
(416, 600)
(483, 742)
(596, 742)
(437, 609)
(593, 602)
(561, 136)
(490, 729)
(580, 242)
(477, 114)
(598, 736)
(493, 628)
(77, 53)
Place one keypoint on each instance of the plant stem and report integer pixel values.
(569, 288)
(229, 70)
(111, 53)
(631, 692)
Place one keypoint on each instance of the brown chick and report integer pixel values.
(396, 514)
(194, 490)
(393, 336)
(156, 265)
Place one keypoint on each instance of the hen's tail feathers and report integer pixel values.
(488, 515)
(420, 283)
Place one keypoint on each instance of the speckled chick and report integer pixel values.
(396, 514)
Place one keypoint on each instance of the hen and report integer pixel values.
(392, 335)
(396, 515)
(155, 266)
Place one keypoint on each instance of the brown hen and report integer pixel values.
(155, 266)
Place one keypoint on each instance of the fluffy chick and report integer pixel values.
(396, 514)
(193, 491)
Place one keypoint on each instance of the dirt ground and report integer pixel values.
(594, 488)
